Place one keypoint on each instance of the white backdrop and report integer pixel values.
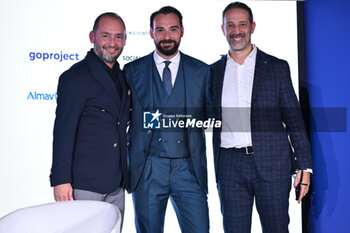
(28, 83)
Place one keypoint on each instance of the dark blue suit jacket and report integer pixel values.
(90, 128)
(140, 80)
(273, 104)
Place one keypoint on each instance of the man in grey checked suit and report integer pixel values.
(254, 97)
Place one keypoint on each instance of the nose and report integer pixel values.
(112, 41)
(236, 30)
(167, 34)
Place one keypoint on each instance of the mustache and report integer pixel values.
(111, 47)
(167, 41)
(237, 35)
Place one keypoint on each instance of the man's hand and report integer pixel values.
(305, 184)
(63, 192)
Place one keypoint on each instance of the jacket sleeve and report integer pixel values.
(70, 104)
(292, 118)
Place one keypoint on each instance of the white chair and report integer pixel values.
(64, 217)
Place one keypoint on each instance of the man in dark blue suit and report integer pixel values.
(254, 98)
(89, 145)
(168, 86)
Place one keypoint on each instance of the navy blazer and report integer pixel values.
(273, 105)
(197, 84)
(90, 128)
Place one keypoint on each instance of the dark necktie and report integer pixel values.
(167, 77)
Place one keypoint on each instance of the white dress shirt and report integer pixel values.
(236, 102)
(173, 66)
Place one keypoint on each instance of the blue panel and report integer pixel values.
(327, 34)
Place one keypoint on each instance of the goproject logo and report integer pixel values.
(54, 56)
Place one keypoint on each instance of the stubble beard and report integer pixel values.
(109, 58)
(246, 41)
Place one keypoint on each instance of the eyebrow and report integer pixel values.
(172, 27)
(242, 21)
(108, 33)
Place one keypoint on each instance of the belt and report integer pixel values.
(248, 150)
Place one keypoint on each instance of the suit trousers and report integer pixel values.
(239, 183)
(173, 178)
(116, 198)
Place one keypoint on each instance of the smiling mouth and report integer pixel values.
(167, 44)
(170, 46)
(237, 37)
(111, 49)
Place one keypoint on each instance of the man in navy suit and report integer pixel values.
(254, 98)
(168, 86)
(89, 145)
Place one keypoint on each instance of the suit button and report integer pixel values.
(128, 144)
(118, 123)
(115, 144)
(178, 141)
(103, 110)
(144, 150)
(149, 131)
(160, 139)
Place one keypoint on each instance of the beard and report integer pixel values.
(109, 58)
(167, 51)
(239, 46)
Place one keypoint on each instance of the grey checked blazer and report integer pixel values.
(275, 114)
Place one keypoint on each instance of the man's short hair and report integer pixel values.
(166, 10)
(239, 5)
(107, 14)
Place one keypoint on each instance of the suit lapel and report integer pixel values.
(193, 78)
(259, 73)
(102, 77)
(143, 81)
(125, 93)
(218, 81)
(190, 79)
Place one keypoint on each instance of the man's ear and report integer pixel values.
(92, 37)
(151, 33)
(253, 27)
(223, 29)
(125, 39)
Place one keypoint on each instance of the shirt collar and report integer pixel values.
(158, 59)
(249, 59)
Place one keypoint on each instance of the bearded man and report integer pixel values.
(168, 163)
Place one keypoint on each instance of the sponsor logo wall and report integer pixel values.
(41, 39)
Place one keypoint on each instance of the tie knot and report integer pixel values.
(167, 63)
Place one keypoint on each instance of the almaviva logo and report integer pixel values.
(41, 96)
